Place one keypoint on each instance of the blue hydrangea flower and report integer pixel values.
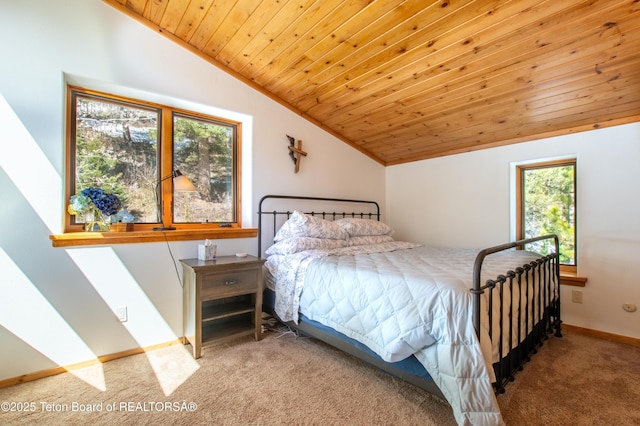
(79, 204)
(89, 198)
(124, 216)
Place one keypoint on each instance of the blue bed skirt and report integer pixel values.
(409, 369)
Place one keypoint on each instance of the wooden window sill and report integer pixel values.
(572, 279)
(73, 239)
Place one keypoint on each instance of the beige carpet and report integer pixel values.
(288, 380)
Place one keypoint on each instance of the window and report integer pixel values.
(546, 204)
(132, 148)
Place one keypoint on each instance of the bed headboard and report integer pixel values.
(274, 210)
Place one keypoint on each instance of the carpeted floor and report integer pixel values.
(576, 380)
(289, 380)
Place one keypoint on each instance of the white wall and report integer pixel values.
(56, 304)
(464, 201)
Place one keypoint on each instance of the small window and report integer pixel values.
(546, 200)
(132, 149)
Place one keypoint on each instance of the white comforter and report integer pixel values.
(401, 299)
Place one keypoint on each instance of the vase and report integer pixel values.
(95, 222)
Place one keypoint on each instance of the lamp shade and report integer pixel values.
(182, 183)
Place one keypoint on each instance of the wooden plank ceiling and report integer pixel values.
(408, 80)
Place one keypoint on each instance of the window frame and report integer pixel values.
(519, 185)
(75, 232)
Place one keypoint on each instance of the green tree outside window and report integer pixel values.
(549, 206)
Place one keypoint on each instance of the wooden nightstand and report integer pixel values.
(222, 299)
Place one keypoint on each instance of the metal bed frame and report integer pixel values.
(540, 275)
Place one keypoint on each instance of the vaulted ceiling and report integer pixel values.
(408, 80)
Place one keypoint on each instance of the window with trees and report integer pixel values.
(132, 148)
(546, 204)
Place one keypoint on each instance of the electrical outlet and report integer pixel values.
(576, 296)
(121, 313)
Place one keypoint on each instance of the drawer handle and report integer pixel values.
(231, 282)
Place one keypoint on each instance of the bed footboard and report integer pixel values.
(527, 300)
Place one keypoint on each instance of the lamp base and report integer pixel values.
(165, 228)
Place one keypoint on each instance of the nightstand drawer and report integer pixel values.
(232, 282)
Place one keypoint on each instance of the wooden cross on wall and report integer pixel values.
(296, 152)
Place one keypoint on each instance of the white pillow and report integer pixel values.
(358, 227)
(302, 225)
(365, 240)
(296, 244)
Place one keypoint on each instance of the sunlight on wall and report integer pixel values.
(26, 313)
(118, 288)
(42, 189)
